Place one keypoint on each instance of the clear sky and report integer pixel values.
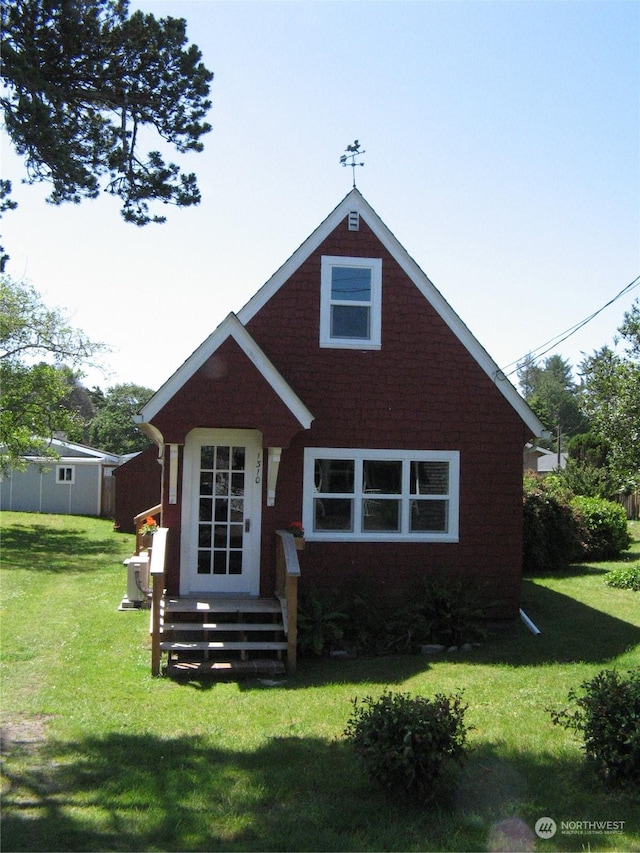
(502, 149)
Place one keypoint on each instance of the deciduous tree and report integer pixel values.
(612, 397)
(35, 343)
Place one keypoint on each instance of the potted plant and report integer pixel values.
(146, 531)
(297, 531)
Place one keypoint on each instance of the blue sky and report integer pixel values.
(502, 149)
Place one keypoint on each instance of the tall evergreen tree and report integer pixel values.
(82, 80)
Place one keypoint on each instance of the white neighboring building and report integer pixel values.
(80, 482)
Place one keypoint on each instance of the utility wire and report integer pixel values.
(535, 355)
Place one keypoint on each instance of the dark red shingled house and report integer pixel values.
(349, 396)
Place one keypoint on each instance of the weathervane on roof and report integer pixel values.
(351, 152)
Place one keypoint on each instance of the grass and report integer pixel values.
(100, 756)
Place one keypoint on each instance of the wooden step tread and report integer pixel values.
(223, 626)
(168, 646)
(221, 605)
(224, 669)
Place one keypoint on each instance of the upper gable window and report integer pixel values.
(350, 302)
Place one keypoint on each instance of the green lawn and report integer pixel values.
(100, 756)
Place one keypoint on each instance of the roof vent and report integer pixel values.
(354, 220)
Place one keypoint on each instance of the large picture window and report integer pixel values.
(381, 494)
(350, 295)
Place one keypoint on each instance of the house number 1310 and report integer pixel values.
(259, 469)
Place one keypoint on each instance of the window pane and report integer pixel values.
(334, 476)
(204, 563)
(350, 321)
(222, 484)
(222, 509)
(237, 462)
(351, 284)
(333, 514)
(204, 536)
(429, 478)
(382, 477)
(222, 458)
(206, 509)
(235, 562)
(380, 515)
(206, 457)
(206, 483)
(219, 562)
(235, 535)
(429, 516)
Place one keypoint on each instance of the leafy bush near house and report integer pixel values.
(552, 536)
(443, 612)
(607, 717)
(625, 577)
(367, 627)
(320, 623)
(410, 744)
(606, 528)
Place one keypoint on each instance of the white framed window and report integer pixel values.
(65, 474)
(351, 302)
(381, 495)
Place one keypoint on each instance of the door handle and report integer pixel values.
(247, 525)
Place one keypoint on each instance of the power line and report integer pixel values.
(535, 355)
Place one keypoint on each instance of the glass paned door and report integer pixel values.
(223, 471)
(221, 513)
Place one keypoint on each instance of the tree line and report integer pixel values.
(41, 392)
(596, 417)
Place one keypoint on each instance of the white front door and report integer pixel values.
(221, 512)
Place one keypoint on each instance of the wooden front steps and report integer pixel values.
(223, 637)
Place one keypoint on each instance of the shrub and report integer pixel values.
(551, 528)
(625, 577)
(320, 622)
(607, 716)
(607, 532)
(367, 627)
(410, 744)
(444, 612)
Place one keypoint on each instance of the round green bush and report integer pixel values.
(607, 717)
(409, 744)
(624, 577)
(551, 529)
(606, 526)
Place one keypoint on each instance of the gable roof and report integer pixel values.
(229, 328)
(71, 450)
(234, 325)
(355, 201)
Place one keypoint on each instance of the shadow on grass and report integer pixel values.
(570, 630)
(125, 793)
(41, 548)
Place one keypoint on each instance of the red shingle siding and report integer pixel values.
(423, 390)
(227, 391)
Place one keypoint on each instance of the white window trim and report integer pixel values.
(374, 341)
(65, 482)
(359, 455)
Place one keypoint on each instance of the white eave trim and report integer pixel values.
(230, 327)
(354, 201)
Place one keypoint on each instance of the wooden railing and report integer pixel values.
(156, 571)
(139, 519)
(287, 574)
